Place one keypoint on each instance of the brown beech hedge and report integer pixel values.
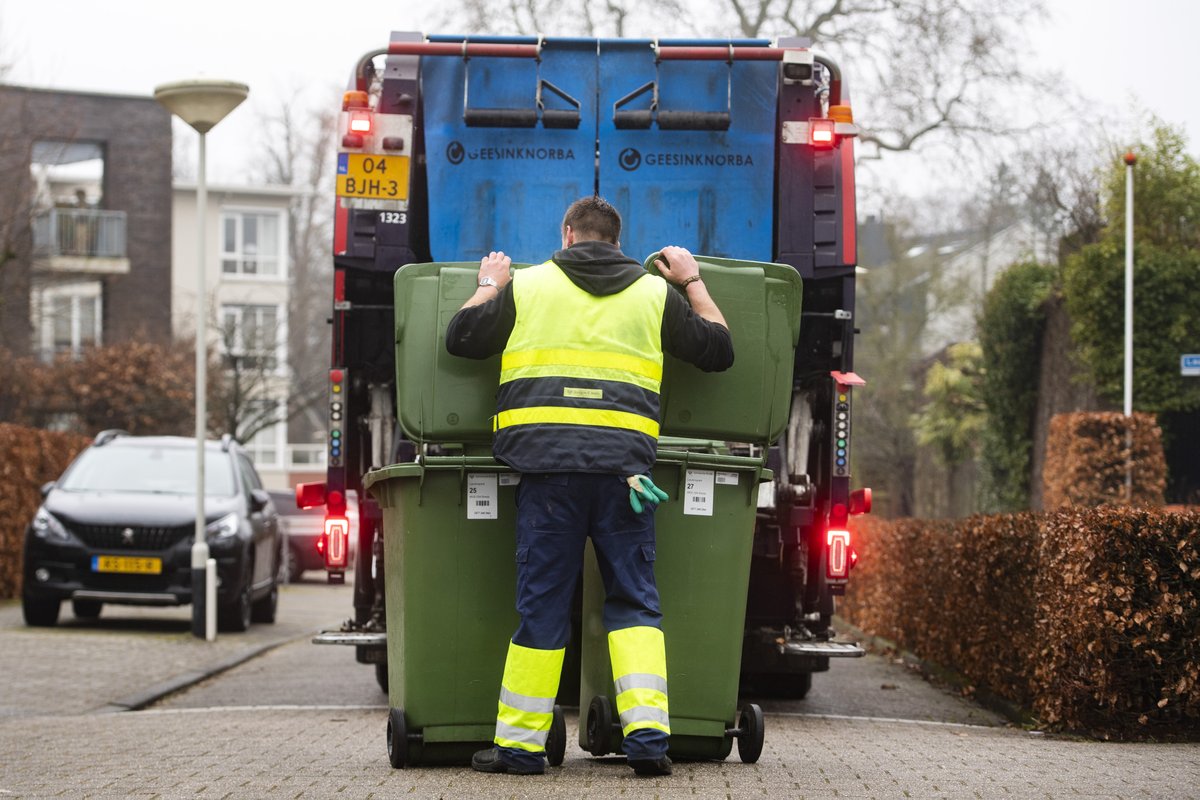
(1089, 617)
(1086, 457)
(29, 457)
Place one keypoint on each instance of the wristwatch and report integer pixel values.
(488, 280)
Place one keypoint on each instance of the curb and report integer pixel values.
(151, 695)
(1014, 713)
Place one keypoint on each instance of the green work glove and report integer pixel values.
(641, 488)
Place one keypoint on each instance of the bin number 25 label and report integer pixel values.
(482, 496)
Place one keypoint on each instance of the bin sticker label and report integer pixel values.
(482, 496)
(727, 479)
(510, 478)
(698, 492)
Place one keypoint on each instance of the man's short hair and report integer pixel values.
(593, 218)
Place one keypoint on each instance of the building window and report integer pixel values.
(266, 446)
(251, 243)
(251, 337)
(68, 318)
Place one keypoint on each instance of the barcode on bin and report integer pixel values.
(698, 498)
(482, 503)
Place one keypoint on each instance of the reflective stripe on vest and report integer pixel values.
(639, 662)
(580, 368)
(527, 692)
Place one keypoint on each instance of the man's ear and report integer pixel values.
(568, 236)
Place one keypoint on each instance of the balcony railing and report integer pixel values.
(79, 233)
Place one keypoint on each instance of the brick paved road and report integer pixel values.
(275, 726)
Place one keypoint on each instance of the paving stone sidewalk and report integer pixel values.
(324, 753)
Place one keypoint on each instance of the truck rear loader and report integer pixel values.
(453, 146)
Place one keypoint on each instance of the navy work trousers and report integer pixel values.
(556, 512)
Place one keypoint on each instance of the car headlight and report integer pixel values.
(46, 526)
(224, 528)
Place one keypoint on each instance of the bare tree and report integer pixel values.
(921, 68)
(572, 18)
(249, 383)
(300, 153)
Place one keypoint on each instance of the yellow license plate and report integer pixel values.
(372, 177)
(134, 564)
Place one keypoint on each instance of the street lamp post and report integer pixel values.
(201, 104)
(1130, 160)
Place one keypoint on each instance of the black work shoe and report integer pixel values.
(489, 761)
(651, 766)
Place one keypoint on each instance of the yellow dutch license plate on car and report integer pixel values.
(128, 564)
(372, 177)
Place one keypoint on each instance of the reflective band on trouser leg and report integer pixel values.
(527, 694)
(639, 660)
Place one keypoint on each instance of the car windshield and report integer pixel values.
(154, 470)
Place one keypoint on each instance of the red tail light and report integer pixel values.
(360, 122)
(820, 132)
(337, 542)
(839, 558)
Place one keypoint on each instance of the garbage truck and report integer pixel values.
(453, 146)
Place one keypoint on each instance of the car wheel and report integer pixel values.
(86, 609)
(264, 608)
(291, 564)
(41, 612)
(235, 616)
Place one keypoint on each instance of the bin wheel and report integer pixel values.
(750, 740)
(556, 742)
(599, 726)
(397, 738)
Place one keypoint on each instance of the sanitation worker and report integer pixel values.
(583, 337)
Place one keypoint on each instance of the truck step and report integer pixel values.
(358, 639)
(826, 649)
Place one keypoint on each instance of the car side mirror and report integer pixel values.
(258, 500)
(48, 487)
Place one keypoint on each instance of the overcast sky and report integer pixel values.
(1129, 56)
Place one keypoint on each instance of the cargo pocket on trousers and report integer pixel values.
(648, 552)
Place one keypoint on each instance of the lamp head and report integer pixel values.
(201, 103)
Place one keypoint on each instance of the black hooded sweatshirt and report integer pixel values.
(600, 269)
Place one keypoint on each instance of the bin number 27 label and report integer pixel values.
(698, 492)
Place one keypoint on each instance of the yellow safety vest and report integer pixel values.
(580, 376)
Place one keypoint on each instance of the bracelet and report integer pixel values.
(684, 283)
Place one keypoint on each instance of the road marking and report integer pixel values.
(842, 717)
(849, 718)
(210, 709)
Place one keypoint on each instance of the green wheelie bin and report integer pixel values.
(449, 532)
(449, 525)
(705, 532)
(704, 537)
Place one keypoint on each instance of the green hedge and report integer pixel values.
(1010, 335)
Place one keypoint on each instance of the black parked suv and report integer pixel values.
(118, 527)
